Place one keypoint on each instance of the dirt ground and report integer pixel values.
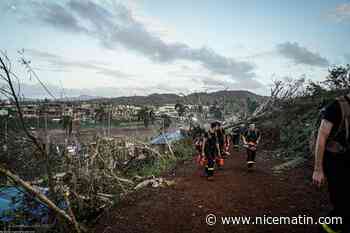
(184, 206)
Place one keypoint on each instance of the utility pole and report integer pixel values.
(104, 122)
(223, 115)
(109, 121)
(38, 120)
(46, 112)
(225, 103)
(5, 114)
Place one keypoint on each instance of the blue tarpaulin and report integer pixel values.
(170, 137)
(14, 199)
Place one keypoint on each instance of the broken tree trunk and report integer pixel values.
(76, 224)
(41, 197)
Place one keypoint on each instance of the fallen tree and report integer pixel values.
(41, 197)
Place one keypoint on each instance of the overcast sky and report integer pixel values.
(138, 47)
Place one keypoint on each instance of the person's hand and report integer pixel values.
(318, 178)
(203, 155)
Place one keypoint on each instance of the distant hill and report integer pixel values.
(235, 101)
(80, 98)
(194, 98)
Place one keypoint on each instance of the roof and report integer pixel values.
(170, 137)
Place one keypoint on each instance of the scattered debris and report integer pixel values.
(288, 165)
(155, 183)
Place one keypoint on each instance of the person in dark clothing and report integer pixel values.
(251, 139)
(332, 160)
(227, 145)
(198, 147)
(236, 134)
(220, 133)
(198, 144)
(210, 150)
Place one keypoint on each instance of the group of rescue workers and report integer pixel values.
(332, 155)
(214, 144)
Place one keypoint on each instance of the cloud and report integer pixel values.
(166, 88)
(341, 12)
(54, 14)
(206, 80)
(222, 83)
(347, 57)
(112, 73)
(42, 55)
(301, 55)
(210, 82)
(62, 64)
(114, 25)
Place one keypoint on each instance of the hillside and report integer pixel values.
(194, 98)
(235, 101)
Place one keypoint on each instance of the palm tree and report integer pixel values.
(144, 114)
(67, 124)
(100, 114)
(181, 109)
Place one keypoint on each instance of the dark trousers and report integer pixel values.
(222, 149)
(251, 155)
(209, 168)
(336, 168)
(235, 139)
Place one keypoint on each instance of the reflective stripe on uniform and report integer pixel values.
(328, 229)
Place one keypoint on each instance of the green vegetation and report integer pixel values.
(297, 119)
(252, 105)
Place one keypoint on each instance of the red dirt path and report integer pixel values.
(234, 192)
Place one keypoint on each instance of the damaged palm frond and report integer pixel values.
(283, 92)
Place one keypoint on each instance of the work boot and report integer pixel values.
(250, 164)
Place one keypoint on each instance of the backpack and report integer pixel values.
(332, 143)
(344, 103)
(249, 132)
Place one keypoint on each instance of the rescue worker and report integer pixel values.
(227, 144)
(251, 139)
(242, 130)
(220, 133)
(210, 150)
(332, 160)
(236, 136)
(198, 143)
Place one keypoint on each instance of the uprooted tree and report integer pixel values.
(37, 150)
(293, 109)
(338, 77)
(283, 92)
(88, 181)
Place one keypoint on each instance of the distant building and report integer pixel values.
(54, 111)
(125, 112)
(168, 109)
(30, 111)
